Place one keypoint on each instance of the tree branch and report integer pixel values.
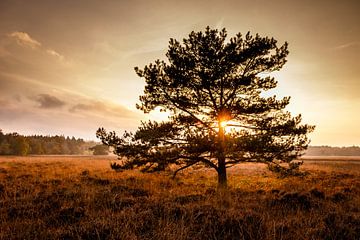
(184, 167)
(188, 112)
(212, 99)
(231, 95)
(244, 126)
(208, 162)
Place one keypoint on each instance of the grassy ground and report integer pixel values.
(82, 198)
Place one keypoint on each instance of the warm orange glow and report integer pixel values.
(223, 124)
(228, 125)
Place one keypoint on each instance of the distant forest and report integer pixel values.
(332, 151)
(16, 144)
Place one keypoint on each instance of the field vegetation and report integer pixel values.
(82, 198)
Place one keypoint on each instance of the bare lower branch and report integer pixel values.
(209, 163)
(244, 126)
(184, 167)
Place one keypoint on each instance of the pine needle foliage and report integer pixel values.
(212, 87)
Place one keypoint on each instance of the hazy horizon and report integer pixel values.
(67, 68)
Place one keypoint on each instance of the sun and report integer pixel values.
(223, 123)
(228, 125)
(223, 118)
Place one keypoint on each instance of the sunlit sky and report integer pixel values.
(67, 67)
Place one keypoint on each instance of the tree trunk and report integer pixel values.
(222, 179)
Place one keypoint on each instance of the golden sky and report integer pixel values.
(67, 67)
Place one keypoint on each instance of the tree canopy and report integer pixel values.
(212, 87)
(100, 149)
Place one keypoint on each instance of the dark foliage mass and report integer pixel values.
(15, 144)
(100, 149)
(213, 90)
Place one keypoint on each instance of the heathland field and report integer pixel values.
(70, 197)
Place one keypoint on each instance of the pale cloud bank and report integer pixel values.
(63, 113)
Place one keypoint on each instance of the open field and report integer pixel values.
(82, 198)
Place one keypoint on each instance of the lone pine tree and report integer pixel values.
(212, 89)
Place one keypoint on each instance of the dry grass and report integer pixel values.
(82, 198)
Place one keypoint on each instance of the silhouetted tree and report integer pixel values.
(5, 147)
(219, 117)
(20, 146)
(100, 149)
(36, 146)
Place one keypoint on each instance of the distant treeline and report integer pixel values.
(15, 144)
(333, 151)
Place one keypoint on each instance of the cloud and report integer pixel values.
(48, 101)
(17, 97)
(4, 103)
(86, 114)
(347, 45)
(82, 107)
(55, 54)
(24, 39)
(100, 108)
